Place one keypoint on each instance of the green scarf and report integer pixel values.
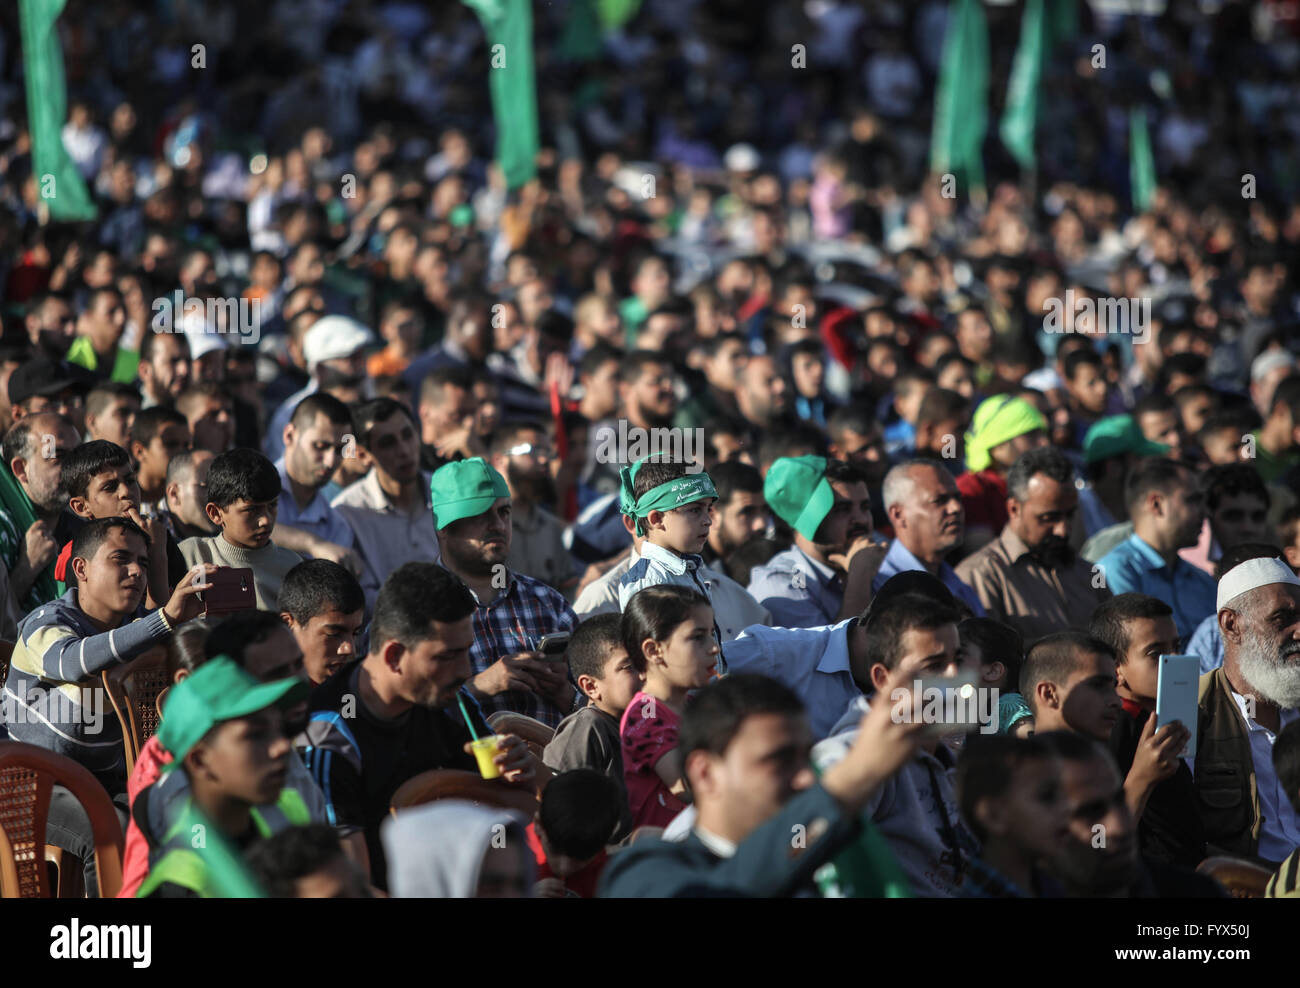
(666, 497)
(15, 502)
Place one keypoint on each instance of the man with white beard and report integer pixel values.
(1243, 706)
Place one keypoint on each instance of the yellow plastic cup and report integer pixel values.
(485, 749)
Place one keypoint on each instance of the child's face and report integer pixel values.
(328, 641)
(560, 864)
(172, 439)
(247, 758)
(615, 689)
(686, 529)
(115, 576)
(111, 493)
(687, 659)
(1034, 813)
(1148, 639)
(247, 524)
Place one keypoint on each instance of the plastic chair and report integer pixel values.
(451, 783)
(27, 774)
(1242, 879)
(133, 689)
(534, 733)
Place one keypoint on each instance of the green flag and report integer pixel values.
(1020, 115)
(1141, 163)
(58, 183)
(508, 25)
(961, 98)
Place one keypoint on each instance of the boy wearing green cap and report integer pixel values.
(226, 733)
(826, 575)
(671, 508)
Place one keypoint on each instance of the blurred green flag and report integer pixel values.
(1020, 115)
(508, 25)
(961, 98)
(58, 183)
(1141, 162)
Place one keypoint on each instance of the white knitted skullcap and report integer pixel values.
(1251, 574)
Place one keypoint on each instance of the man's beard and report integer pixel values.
(50, 502)
(1053, 552)
(1272, 670)
(536, 488)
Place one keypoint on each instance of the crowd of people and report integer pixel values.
(705, 451)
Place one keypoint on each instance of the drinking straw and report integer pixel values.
(460, 698)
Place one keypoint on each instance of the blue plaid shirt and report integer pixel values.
(536, 609)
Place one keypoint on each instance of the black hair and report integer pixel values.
(1155, 473)
(735, 477)
(242, 475)
(653, 613)
(1288, 393)
(843, 472)
(791, 439)
(232, 635)
(851, 418)
(1224, 480)
(656, 472)
(1109, 620)
(105, 392)
(591, 643)
(1051, 659)
(83, 463)
(1239, 420)
(632, 364)
(413, 597)
(279, 861)
(1235, 555)
(997, 642)
(94, 533)
(1286, 762)
(597, 357)
(1077, 359)
(442, 377)
(580, 811)
(1047, 460)
(182, 462)
(1157, 401)
(507, 434)
(940, 405)
(151, 421)
(314, 586)
(185, 649)
(1190, 364)
(715, 713)
(369, 414)
(987, 768)
(896, 617)
(554, 325)
(320, 403)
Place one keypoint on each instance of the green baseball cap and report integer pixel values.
(1115, 436)
(218, 691)
(464, 489)
(797, 491)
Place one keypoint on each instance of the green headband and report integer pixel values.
(667, 496)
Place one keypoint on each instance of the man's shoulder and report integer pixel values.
(196, 547)
(528, 586)
(655, 868)
(986, 560)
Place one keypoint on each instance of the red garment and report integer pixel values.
(582, 882)
(648, 731)
(135, 858)
(61, 564)
(984, 496)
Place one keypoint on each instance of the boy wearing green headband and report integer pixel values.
(672, 510)
(225, 731)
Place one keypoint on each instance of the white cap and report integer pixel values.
(332, 337)
(741, 158)
(1269, 361)
(1250, 575)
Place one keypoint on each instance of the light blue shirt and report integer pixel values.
(273, 442)
(1207, 644)
(813, 662)
(1135, 567)
(318, 517)
(899, 560)
(799, 591)
(658, 566)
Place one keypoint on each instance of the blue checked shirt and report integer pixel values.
(538, 610)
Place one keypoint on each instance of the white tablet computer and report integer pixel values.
(1176, 690)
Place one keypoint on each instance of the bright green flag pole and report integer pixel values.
(1019, 118)
(1141, 162)
(508, 25)
(58, 183)
(961, 98)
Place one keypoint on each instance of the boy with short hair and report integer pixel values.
(579, 815)
(1011, 795)
(996, 651)
(243, 493)
(324, 606)
(111, 409)
(306, 863)
(101, 483)
(225, 732)
(672, 510)
(158, 434)
(589, 738)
